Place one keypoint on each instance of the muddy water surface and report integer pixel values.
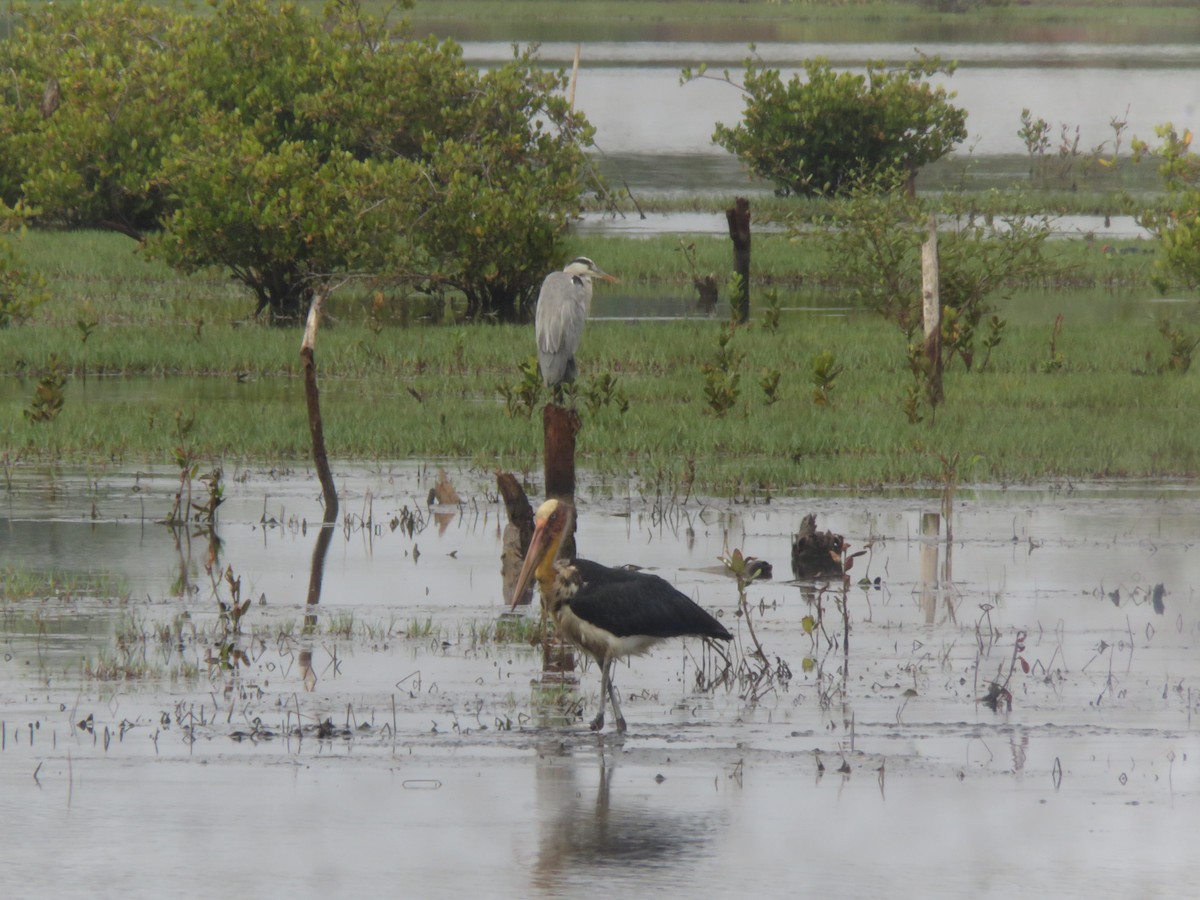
(395, 746)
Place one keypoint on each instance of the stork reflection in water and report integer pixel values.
(608, 613)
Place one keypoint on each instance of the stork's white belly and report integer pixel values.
(598, 642)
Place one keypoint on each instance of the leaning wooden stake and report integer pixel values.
(932, 310)
(738, 217)
(313, 399)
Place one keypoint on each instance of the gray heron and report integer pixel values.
(562, 308)
(608, 613)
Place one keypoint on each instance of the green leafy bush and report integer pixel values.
(1176, 223)
(292, 150)
(825, 132)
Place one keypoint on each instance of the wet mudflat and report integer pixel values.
(394, 736)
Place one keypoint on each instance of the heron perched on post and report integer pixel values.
(609, 613)
(563, 306)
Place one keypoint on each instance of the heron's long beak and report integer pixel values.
(603, 276)
(538, 546)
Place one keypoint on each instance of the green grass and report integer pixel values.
(18, 584)
(1147, 21)
(1121, 21)
(432, 392)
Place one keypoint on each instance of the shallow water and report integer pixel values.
(631, 92)
(654, 135)
(445, 771)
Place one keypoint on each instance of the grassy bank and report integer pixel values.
(1137, 21)
(1074, 409)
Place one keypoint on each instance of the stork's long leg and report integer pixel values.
(612, 695)
(598, 722)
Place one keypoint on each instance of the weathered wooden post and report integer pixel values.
(560, 425)
(932, 312)
(738, 217)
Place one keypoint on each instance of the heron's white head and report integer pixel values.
(581, 265)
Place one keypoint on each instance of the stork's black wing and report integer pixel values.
(591, 572)
(626, 603)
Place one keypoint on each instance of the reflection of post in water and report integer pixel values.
(932, 584)
(316, 575)
(316, 569)
(931, 523)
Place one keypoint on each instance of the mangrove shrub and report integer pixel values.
(291, 149)
(873, 237)
(1176, 223)
(825, 132)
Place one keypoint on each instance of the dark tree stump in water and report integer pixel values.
(558, 659)
(738, 217)
(816, 554)
(517, 534)
(706, 287)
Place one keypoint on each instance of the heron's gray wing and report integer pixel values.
(561, 313)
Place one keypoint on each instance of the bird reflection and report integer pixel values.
(583, 837)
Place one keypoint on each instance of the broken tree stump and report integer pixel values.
(516, 537)
(558, 658)
(816, 554)
(738, 217)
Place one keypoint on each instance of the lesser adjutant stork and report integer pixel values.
(608, 613)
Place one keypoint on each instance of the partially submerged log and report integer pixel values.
(816, 554)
